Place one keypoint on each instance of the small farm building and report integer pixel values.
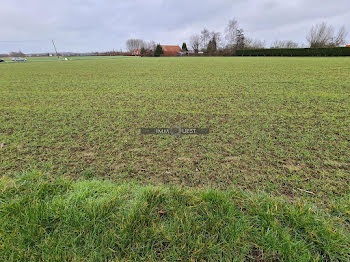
(171, 50)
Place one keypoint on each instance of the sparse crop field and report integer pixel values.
(278, 125)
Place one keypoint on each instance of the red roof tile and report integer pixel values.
(171, 50)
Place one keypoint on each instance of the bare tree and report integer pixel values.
(150, 45)
(205, 38)
(132, 44)
(291, 44)
(320, 35)
(216, 37)
(340, 38)
(16, 54)
(231, 33)
(284, 44)
(195, 42)
(250, 43)
(323, 35)
(234, 36)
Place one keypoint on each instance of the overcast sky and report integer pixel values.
(100, 25)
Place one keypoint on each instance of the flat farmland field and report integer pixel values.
(278, 126)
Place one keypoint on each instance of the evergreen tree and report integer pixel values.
(240, 39)
(184, 47)
(158, 51)
(143, 51)
(212, 46)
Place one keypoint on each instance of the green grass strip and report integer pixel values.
(55, 219)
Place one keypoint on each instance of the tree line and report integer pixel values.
(233, 38)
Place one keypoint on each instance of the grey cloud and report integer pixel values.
(97, 25)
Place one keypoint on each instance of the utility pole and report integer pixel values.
(53, 42)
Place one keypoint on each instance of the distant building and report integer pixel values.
(186, 53)
(347, 46)
(136, 52)
(168, 50)
(171, 50)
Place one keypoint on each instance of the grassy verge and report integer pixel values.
(57, 219)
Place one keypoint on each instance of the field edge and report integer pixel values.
(55, 218)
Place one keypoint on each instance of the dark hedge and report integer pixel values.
(337, 51)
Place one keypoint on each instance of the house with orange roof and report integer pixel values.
(171, 50)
